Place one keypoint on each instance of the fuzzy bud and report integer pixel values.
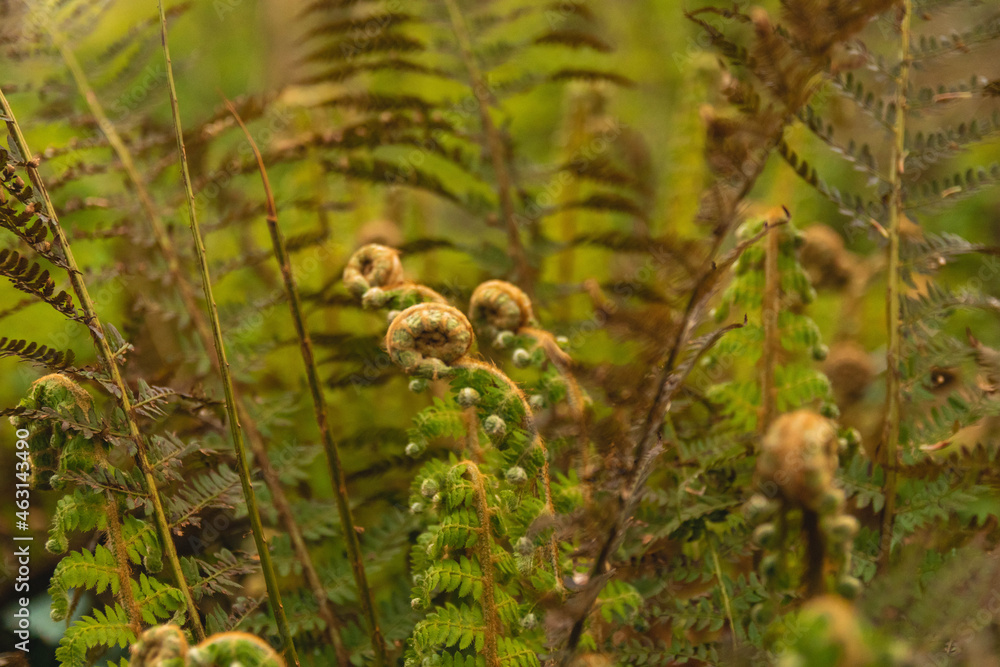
(848, 587)
(521, 358)
(415, 449)
(495, 426)
(418, 385)
(372, 266)
(500, 306)
(760, 508)
(468, 397)
(842, 528)
(425, 339)
(376, 297)
(537, 402)
(503, 339)
(429, 487)
(516, 475)
(799, 457)
(765, 535)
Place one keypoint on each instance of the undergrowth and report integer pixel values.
(456, 367)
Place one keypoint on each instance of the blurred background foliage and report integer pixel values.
(650, 118)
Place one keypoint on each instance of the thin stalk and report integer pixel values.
(125, 595)
(187, 294)
(725, 595)
(204, 332)
(495, 145)
(890, 432)
(772, 341)
(106, 356)
(163, 240)
(484, 547)
(124, 568)
(319, 405)
(263, 552)
(815, 553)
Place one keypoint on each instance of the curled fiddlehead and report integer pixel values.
(372, 266)
(497, 306)
(51, 449)
(166, 646)
(160, 646)
(374, 275)
(433, 340)
(796, 471)
(426, 339)
(500, 311)
(234, 648)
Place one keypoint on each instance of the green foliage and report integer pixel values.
(108, 628)
(649, 421)
(53, 449)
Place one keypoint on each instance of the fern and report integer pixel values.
(598, 467)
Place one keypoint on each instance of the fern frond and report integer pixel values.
(29, 277)
(82, 569)
(852, 88)
(927, 47)
(458, 626)
(157, 601)
(107, 628)
(219, 577)
(931, 147)
(934, 194)
(40, 354)
(218, 487)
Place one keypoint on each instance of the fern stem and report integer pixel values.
(263, 552)
(319, 405)
(125, 594)
(495, 145)
(484, 545)
(106, 356)
(725, 595)
(815, 553)
(890, 438)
